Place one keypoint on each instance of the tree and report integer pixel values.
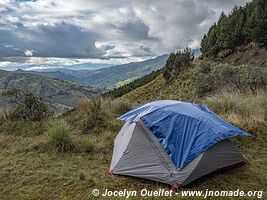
(204, 48)
(257, 22)
(242, 26)
(177, 62)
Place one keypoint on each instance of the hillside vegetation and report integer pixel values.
(121, 90)
(73, 153)
(113, 76)
(62, 95)
(242, 26)
(66, 157)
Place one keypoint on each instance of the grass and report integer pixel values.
(30, 172)
(22, 128)
(59, 135)
(3, 115)
(178, 89)
(31, 169)
(247, 111)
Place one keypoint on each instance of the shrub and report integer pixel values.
(245, 104)
(94, 116)
(94, 113)
(59, 135)
(210, 77)
(121, 106)
(167, 75)
(28, 106)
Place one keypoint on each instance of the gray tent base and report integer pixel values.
(138, 153)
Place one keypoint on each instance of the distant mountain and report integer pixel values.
(64, 74)
(59, 93)
(109, 77)
(117, 75)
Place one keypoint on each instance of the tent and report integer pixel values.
(175, 143)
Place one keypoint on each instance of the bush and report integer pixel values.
(28, 106)
(121, 106)
(245, 104)
(210, 77)
(94, 114)
(59, 135)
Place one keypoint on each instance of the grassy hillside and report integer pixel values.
(61, 94)
(69, 156)
(66, 157)
(178, 89)
(34, 168)
(207, 77)
(128, 87)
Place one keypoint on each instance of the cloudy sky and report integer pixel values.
(114, 30)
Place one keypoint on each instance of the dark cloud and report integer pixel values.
(134, 30)
(59, 40)
(105, 29)
(65, 40)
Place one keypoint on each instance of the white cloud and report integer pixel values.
(28, 52)
(45, 63)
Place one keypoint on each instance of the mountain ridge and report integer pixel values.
(61, 94)
(108, 77)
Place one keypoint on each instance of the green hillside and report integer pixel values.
(128, 87)
(60, 94)
(34, 163)
(67, 157)
(109, 77)
(178, 89)
(202, 79)
(114, 76)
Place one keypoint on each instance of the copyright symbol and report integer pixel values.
(95, 192)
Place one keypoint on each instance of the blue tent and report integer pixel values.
(185, 130)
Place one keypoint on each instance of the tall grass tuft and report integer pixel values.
(4, 115)
(59, 135)
(248, 111)
(225, 102)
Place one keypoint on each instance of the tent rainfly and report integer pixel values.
(174, 143)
